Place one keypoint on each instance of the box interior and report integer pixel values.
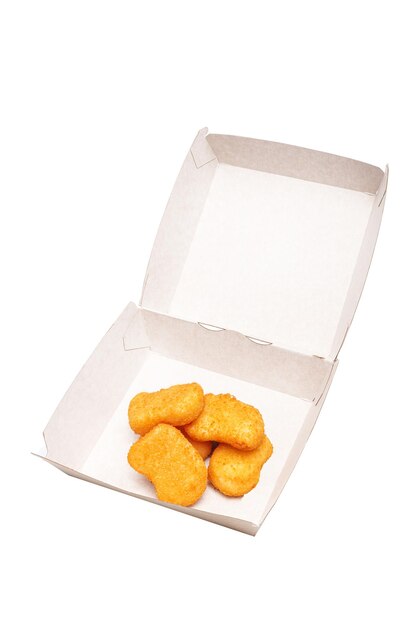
(284, 416)
(145, 351)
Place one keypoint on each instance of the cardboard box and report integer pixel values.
(252, 284)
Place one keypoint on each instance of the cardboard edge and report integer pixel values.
(383, 187)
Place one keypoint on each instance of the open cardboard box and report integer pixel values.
(254, 278)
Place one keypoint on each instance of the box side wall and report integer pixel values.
(311, 165)
(232, 354)
(89, 403)
(299, 445)
(178, 225)
(362, 267)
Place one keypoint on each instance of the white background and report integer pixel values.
(99, 104)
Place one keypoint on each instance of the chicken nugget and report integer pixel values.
(235, 472)
(203, 447)
(171, 463)
(228, 420)
(177, 405)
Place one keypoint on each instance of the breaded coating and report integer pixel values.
(177, 405)
(171, 463)
(203, 447)
(235, 472)
(228, 420)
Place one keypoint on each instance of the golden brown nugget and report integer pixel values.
(171, 463)
(228, 420)
(203, 447)
(177, 405)
(235, 472)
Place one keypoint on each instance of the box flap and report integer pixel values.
(269, 240)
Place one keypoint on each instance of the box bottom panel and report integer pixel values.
(284, 418)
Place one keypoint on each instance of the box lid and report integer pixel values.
(267, 239)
